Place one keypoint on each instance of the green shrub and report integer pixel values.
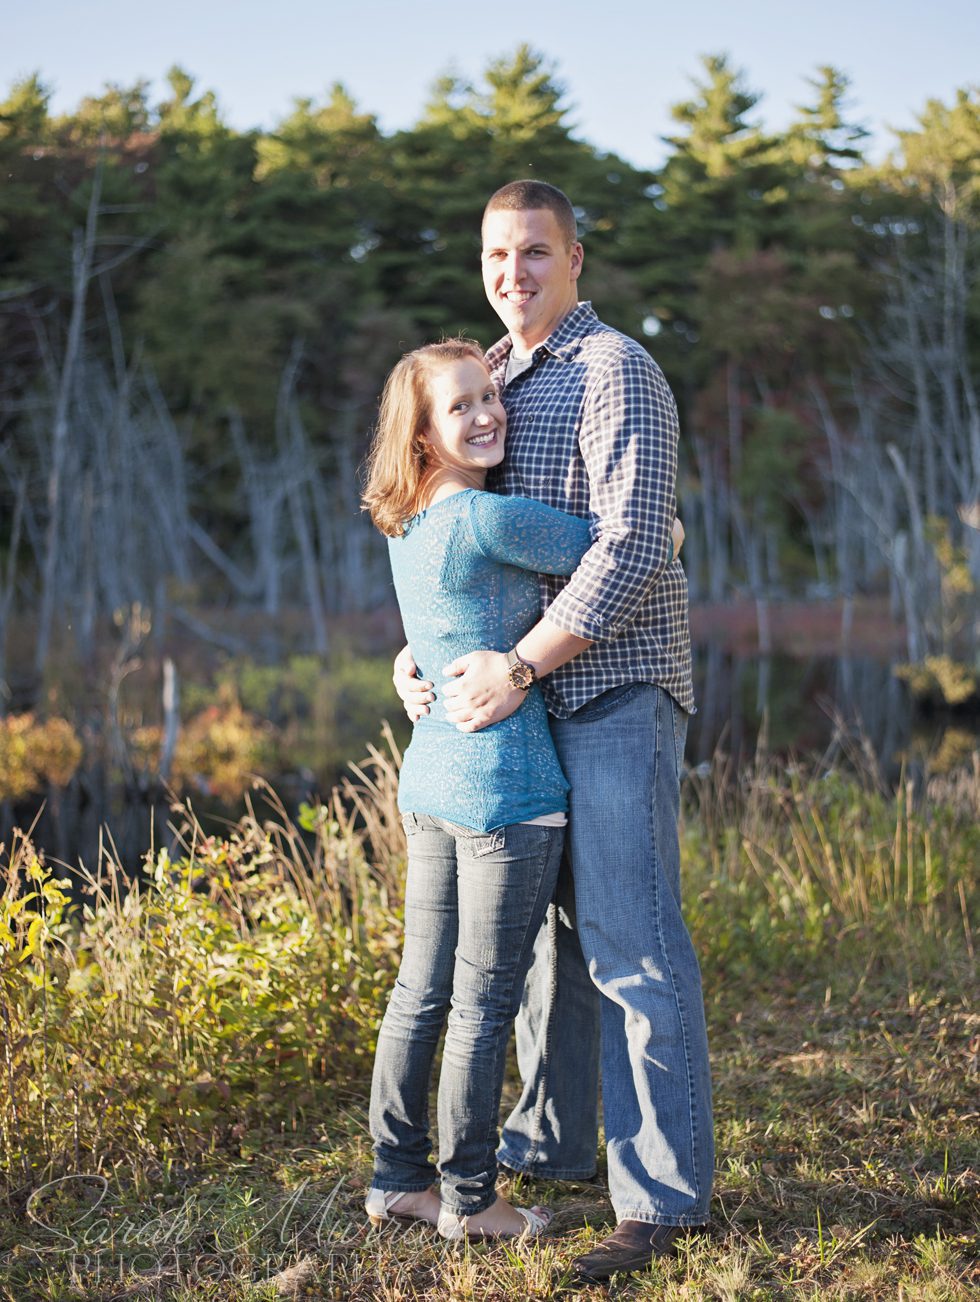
(33, 754)
(322, 711)
(240, 981)
(222, 748)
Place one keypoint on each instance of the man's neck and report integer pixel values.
(524, 345)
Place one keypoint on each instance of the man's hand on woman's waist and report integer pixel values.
(479, 691)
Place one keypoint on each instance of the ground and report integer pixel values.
(847, 1160)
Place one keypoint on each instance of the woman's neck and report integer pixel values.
(444, 483)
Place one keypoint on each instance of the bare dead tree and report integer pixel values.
(171, 718)
(842, 515)
(64, 381)
(15, 475)
(356, 551)
(715, 512)
(265, 489)
(83, 253)
(8, 579)
(750, 538)
(164, 478)
(922, 353)
(295, 454)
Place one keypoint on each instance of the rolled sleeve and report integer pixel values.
(628, 441)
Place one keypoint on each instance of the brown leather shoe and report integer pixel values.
(633, 1245)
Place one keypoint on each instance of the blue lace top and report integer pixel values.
(465, 577)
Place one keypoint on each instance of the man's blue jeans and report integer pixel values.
(474, 902)
(616, 955)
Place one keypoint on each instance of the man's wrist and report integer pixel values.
(547, 646)
(520, 673)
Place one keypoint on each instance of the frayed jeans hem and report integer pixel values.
(692, 1222)
(536, 1172)
(392, 1186)
(469, 1210)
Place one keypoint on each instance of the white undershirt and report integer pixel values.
(516, 365)
(557, 819)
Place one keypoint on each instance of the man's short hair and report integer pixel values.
(522, 196)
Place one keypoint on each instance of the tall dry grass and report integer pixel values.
(831, 866)
(159, 1014)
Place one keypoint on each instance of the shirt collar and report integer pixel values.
(563, 342)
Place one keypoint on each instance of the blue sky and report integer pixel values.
(624, 62)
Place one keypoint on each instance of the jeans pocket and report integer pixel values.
(476, 844)
(410, 823)
(606, 702)
(483, 843)
(679, 729)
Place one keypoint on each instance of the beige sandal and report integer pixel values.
(380, 1204)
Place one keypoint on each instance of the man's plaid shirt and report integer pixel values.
(592, 429)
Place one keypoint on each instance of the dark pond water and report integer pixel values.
(781, 703)
(792, 704)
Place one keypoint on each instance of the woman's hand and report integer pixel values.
(415, 693)
(677, 534)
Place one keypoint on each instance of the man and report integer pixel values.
(592, 429)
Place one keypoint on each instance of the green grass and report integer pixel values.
(183, 1075)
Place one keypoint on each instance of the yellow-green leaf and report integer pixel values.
(15, 906)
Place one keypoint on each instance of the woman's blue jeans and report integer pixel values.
(474, 902)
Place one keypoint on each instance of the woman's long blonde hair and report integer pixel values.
(397, 467)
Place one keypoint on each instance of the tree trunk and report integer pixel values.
(7, 584)
(83, 253)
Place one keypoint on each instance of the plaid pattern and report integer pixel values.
(592, 429)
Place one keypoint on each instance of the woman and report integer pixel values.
(484, 812)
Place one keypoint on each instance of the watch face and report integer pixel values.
(521, 675)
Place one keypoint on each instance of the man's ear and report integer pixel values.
(578, 257)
